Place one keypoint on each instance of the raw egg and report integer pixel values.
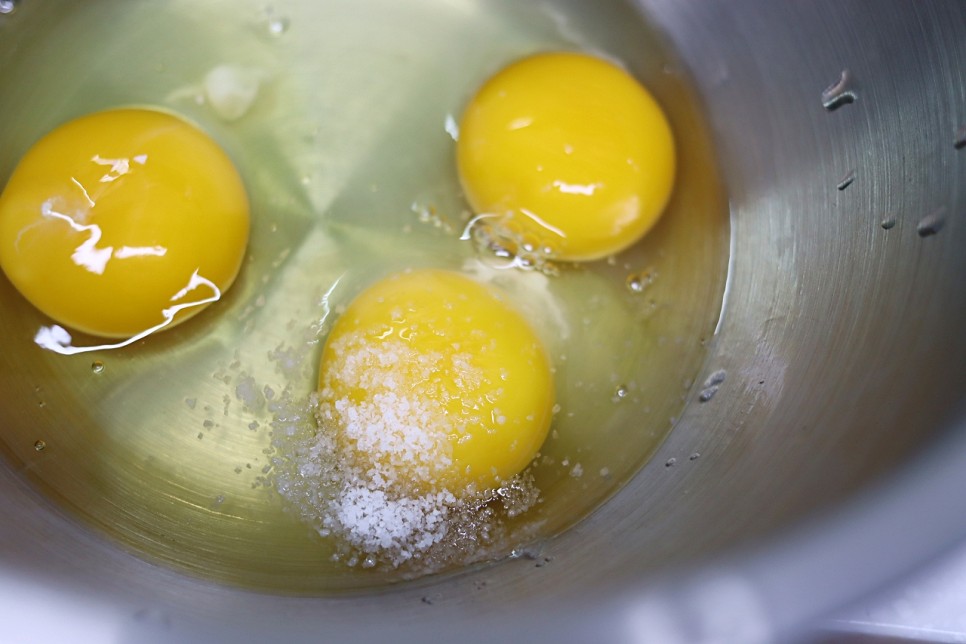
(570, 152)
(431, 382)
(123, 221)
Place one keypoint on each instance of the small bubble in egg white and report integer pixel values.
(275, 24)
(278, 26)
(638, 282)
(40, 445)
(97, 367)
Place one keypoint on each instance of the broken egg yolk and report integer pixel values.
(571, 150)
(430, 381)
(123, 221)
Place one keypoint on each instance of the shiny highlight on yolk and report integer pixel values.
(123, 221)
(431, 382)
(570, 150)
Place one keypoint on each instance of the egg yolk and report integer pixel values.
(431, 382)
(122, 221)
(571, 150)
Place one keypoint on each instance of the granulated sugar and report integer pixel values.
(377, 523)
(398, 430)
(370, 470)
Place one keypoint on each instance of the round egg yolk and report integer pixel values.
(430, 382)
(123, 221)
(571, 150)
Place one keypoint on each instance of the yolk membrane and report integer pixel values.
(123, 220)
(570, 151)
(432, 382)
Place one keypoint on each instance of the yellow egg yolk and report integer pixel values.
(431, 382)
(122, 221)
(571, 150)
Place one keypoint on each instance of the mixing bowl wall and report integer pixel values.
(841, 338)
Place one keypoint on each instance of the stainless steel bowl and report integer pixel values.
(833, 457)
